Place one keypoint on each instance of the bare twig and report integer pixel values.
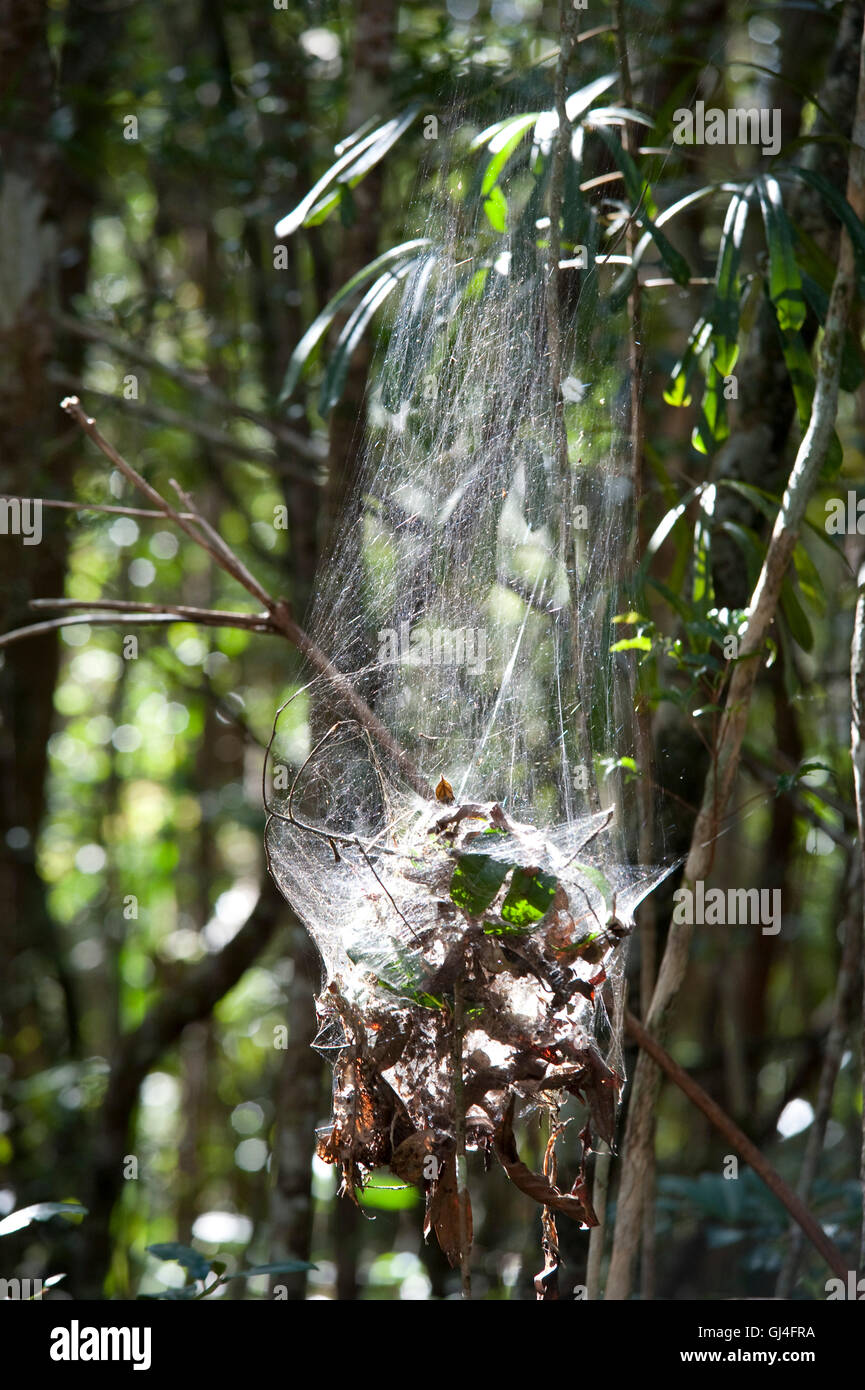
(280, 618)
(210, 616)
(231, 563)
(96, 507)
(72, 406)
(737, 1137)
(19, 634)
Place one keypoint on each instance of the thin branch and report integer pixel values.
(230, 562)
(97, 507)
(643, 731)
(212, 617)
(281, 619)
(764, 774)
(739, 1140)
(18, 634)
(72, 406)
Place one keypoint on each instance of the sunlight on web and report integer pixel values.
(447, 604)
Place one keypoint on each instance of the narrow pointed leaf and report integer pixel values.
(355, 327)
(712, 427)
(350, 168)
(785, 283)
(502, 146)
(842, 210)
(677, 393)
(305, 351)
(725, 311)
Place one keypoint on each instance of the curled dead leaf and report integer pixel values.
(575, 1204)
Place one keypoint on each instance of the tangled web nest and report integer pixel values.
(472, 942)
(475, 965)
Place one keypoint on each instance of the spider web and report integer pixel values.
(446, 603)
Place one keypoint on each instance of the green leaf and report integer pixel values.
(191, 1260)
(40, 1211)
(677, 393)
(628, 644)
(712, 427)
(388, 1196)
(399, 971)
(785, 283)
(496, 209)
(803, 384)
(769, 504)
(666, 525)
(842, 210)
(675, 601)
(749, 543)
(529, 897)
(356, 325)
(493, 928)
(809, 578)
(579, 102)
(321, 212)
(350, 168)
(621, 286)
(701, 592)
(764, 502)
(507, 135)
(725, 311)
(615, 115)
(598, 881)
(477, 879)
(385, 138)
(303, 354)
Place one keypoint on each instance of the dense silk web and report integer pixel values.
(446, 603)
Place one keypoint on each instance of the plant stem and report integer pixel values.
(460, 1136)
(567, 37)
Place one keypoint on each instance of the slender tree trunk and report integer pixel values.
(857, 748)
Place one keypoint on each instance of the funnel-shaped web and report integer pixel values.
(471, 940)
